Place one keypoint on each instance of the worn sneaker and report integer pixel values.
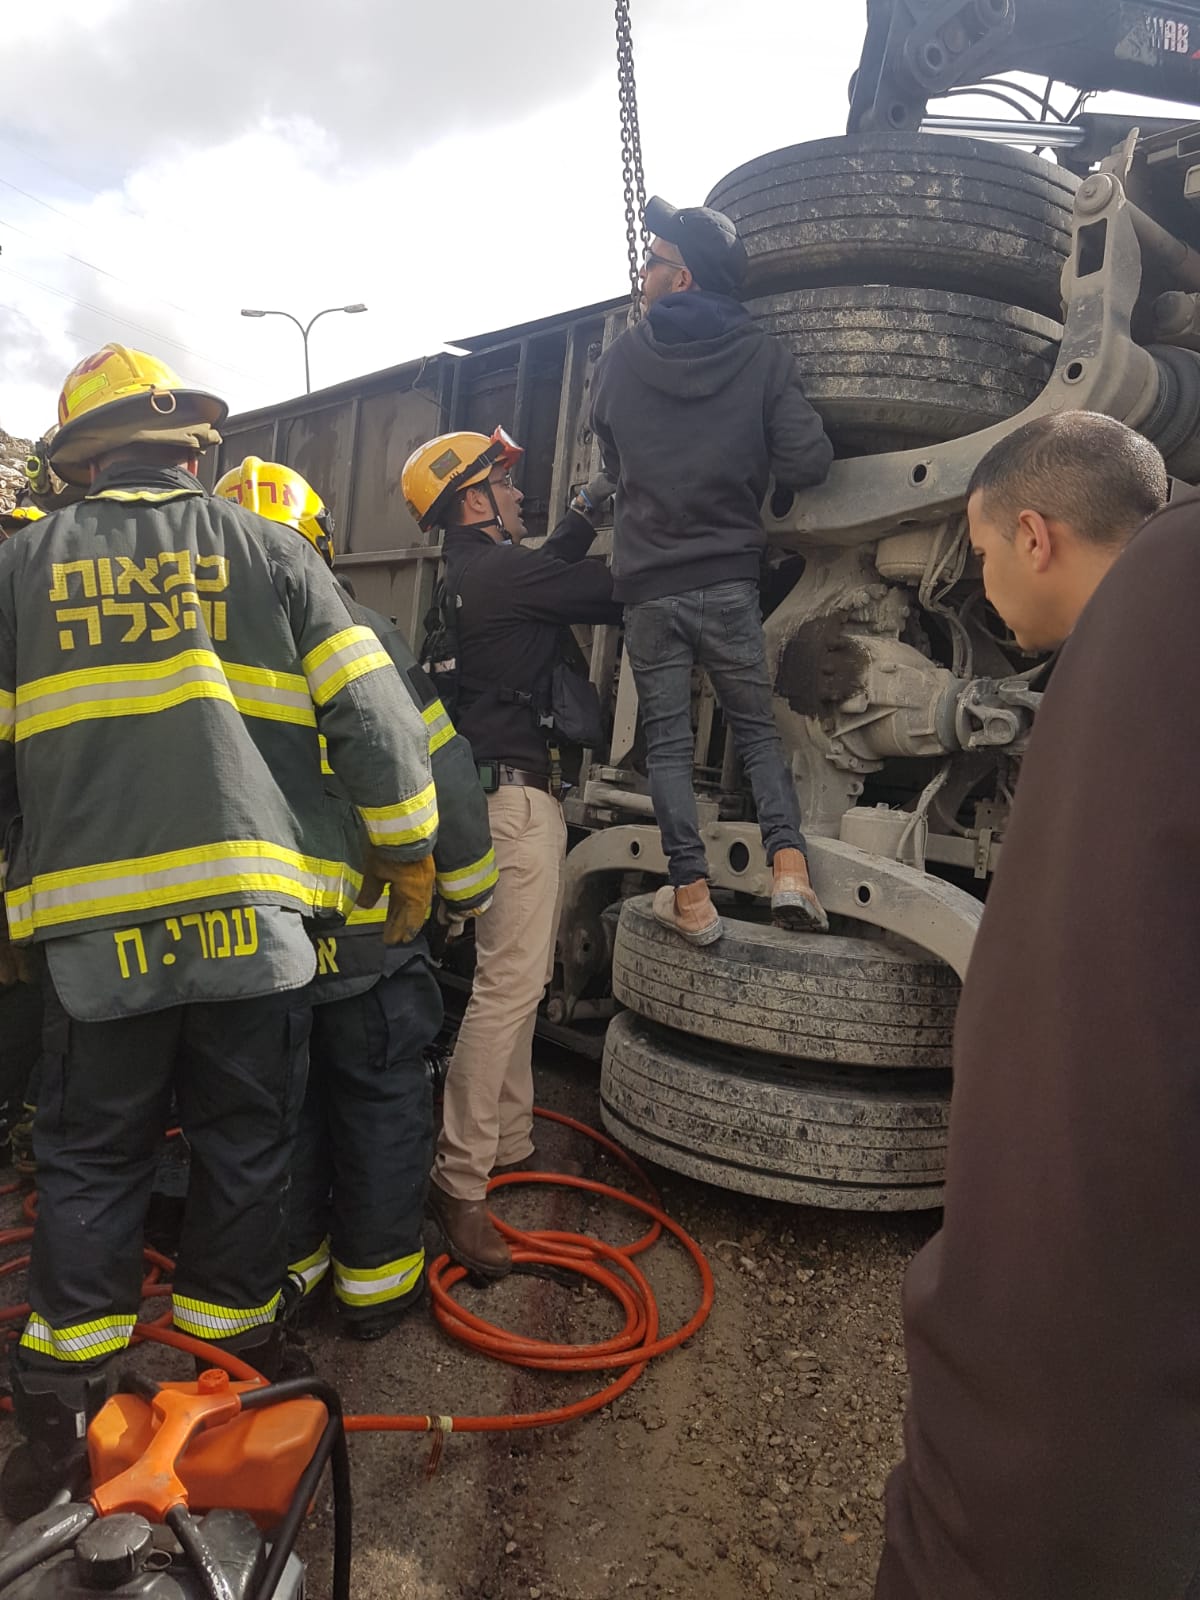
(794, 903)
(689, 912)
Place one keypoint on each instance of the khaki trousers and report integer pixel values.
(488, 1108)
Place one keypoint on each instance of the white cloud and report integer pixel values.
(454, 181)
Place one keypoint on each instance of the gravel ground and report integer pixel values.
(750, 1462)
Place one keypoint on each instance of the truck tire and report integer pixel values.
(851, 1140)
(800, 997)
(892, 369)
(909, 209)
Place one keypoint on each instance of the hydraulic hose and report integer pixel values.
(46, 1542)
(611, 1268)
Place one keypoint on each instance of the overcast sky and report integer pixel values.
(456, 167)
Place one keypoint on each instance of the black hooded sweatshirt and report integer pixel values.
(695, 409)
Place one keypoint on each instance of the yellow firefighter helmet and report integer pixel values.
(120, 396)
(280, 494)
(437, 471)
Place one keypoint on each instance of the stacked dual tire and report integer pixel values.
(916, 277)
(809, 1068)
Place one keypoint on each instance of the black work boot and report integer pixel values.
(376, 1321)
(53, 1413)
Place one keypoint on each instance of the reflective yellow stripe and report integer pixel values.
(152, 496)
(205, 1320)
(441, 729)
(325, 767)
(313, 1268)
(138, 689)
(406, 823)
(467, 882)
(180, 877)
(368, 916)
(8, 716)
(348, 655)
(372, 1286)
(83, 1341)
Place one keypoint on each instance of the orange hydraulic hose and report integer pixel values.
(611, 1268)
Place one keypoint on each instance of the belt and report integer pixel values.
(514, 777)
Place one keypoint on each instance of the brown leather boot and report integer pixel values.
(471, 1236)
(794, 902)
(689, 911)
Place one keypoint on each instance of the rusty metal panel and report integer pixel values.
(390, 427)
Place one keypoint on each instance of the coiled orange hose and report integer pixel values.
(611, 1268)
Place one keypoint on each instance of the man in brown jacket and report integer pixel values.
(1053, 1326)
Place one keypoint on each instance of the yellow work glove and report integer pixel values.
(410, 894)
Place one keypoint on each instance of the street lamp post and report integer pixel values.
(304, 331)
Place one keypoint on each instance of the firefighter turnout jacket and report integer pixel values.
(168, 662)
(354, 958)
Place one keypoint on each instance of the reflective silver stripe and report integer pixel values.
(81, 1342)
(377, 1284)
(461, 885)
(403, 830)
(203, 1318)
(328, 671)
(309, 886)
(313, 1268)
(8, 716)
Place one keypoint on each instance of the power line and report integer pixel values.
(37, 200)
(139, 327)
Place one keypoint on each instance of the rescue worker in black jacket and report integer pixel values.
(360, 1172)
(695, 408)
(167, 664)
(511, 605)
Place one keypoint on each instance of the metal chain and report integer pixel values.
(631, 157)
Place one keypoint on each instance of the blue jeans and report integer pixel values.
(719, 628)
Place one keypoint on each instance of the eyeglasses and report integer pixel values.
(505, 481)
(660, 261)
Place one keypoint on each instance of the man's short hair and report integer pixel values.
(1078, 467)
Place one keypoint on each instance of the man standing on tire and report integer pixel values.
(1053, 1326)
(167, 663)
(695, 408)
(511, 605)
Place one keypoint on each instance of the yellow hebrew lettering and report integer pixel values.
(326, 956)
(130, 573)
(125, 937)
(88, 615)
(105, 572)
(196, 921)
(183, 564)
(62, 571)
(135, 610)
(218, 921)
(190, 602)
(220, 581)
(245, 940)
(169, 628)
(173, 928)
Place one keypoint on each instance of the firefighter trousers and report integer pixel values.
(363, 1152)
(237, 1070)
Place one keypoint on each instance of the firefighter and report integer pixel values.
(512, 604)
(17, 518)
(695, 409)
(365, 1145)
(167, 661)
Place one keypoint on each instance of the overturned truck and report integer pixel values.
(937, 290)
